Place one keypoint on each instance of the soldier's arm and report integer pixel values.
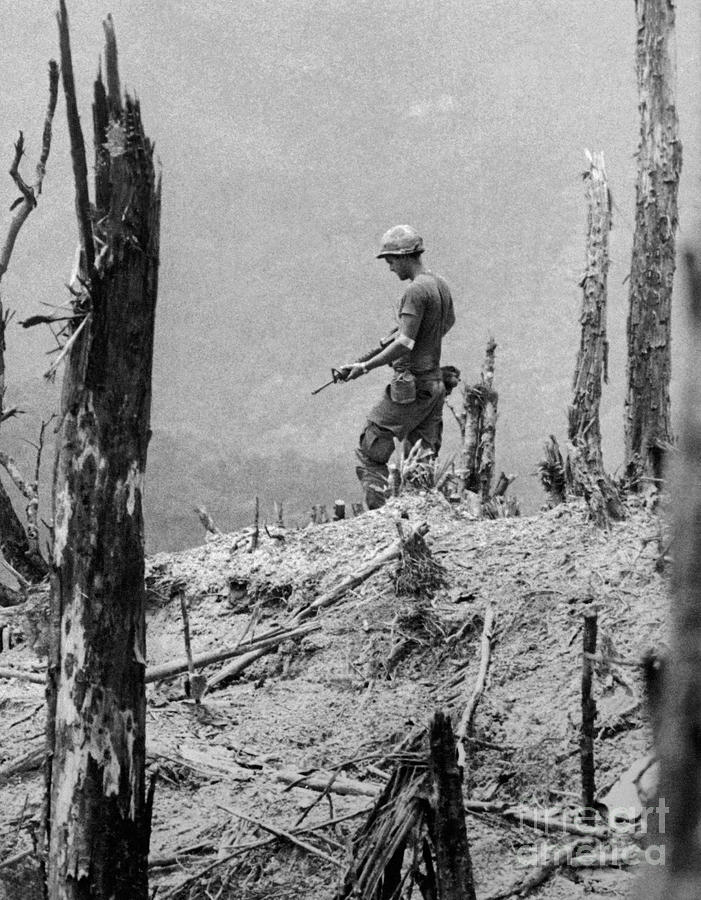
(404, 340)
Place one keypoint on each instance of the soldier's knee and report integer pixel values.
(376, 444)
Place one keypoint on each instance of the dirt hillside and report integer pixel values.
(375, 666)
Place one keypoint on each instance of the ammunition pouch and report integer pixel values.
(402, 388)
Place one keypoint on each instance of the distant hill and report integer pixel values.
(185, 471)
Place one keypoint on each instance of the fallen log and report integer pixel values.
(326, 782)
(264, 642)
(533, 879)
(27, 762)
(327, 599)
(231, 670)
(355, 578)
(20, 675)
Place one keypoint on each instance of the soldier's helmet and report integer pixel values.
(401, 240)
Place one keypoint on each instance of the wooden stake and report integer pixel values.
(586, 743)
(195, 683)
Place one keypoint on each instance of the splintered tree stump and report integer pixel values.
(417, 574)
(446, 821)
(552, 473)
(586, 466)
(592, 359)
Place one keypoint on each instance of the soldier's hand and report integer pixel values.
(351, 371)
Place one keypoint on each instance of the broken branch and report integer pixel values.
(486, 651)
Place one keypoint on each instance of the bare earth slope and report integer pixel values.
(347, 693)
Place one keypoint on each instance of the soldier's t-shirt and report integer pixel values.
(428, 298)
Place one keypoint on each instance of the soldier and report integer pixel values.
(411, 408)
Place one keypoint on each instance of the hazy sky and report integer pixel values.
(291, 135)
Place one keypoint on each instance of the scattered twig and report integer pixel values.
(286, 835)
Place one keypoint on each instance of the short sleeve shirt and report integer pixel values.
(428, 298)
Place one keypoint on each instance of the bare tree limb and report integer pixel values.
(29, 194)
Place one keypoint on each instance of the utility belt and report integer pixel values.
(402, 388)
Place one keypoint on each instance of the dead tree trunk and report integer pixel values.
(648, 427)
(477, 423)
(680, 717)
(98, 815)
(585, 467)
(592, 359)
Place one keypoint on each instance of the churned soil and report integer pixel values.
(378, 665)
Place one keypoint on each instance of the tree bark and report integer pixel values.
(648, 427)
(98, 814)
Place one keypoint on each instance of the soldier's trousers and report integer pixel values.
(421, 420)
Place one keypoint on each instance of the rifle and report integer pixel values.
(336, 376)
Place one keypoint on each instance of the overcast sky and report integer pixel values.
(292, 134)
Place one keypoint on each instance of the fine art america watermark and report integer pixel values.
(646, 822)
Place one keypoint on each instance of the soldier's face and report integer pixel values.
(400, 266)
